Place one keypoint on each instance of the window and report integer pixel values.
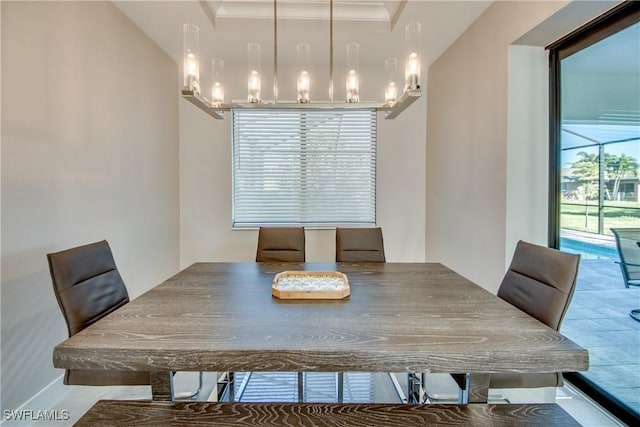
(595, 153)
(304, 167)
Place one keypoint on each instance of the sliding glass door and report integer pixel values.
(595, 188)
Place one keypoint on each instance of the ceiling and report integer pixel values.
(226, 26)
(349, 10)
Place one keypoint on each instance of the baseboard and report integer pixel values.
(44, 399)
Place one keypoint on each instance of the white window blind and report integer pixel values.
(306, 167)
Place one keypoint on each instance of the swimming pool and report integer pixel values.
(588, 250)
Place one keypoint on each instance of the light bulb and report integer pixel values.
(412, 72)
(192, 65)
(254, 86)
(303, 87)
(190, 59)
(217, 81)
(217, 93)
(413, 47)
(303, 64)
(352, 87)
(391, 93)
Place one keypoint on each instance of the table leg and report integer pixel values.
(232, 386)
(300, 386)
(161, 386)
(476, 388)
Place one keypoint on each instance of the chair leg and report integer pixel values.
(186, 395)
(415, 389)
(444, 388)
(464, 391)
(398, 388)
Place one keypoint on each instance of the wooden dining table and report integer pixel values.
(399, 317)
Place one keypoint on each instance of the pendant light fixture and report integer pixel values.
(216, 106)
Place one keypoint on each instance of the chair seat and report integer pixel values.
(552, 379)
(96, 377)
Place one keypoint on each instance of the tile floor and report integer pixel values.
(598, 319)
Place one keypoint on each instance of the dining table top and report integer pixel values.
(399, 317)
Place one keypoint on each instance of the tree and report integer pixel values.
(586, 170)
(617, 168)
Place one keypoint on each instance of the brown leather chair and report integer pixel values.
(540, 281)
(359, 245)
(281, 244)
(88, 287)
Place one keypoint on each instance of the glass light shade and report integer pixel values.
(391, 91)
(353, 82)
(413, 41)
(217, 83)
(191, 57)
(254, 83)
(303, 85)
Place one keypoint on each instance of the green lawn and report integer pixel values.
(616, 214)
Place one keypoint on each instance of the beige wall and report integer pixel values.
(468, 146)
(527, 157)
(89, 151)
(487, 136)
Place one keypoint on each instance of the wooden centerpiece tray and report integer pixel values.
(310, 285)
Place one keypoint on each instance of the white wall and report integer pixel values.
(527, 206)
(487, 136)
(89, 152)
(468, 146)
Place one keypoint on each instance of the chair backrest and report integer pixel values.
(359, 245)
(628, 244)
(87, 284)
(540, 281)
(280, 244)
